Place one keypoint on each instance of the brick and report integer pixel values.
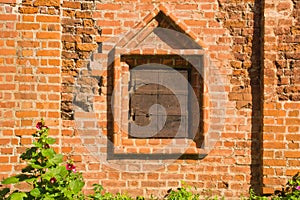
(27, 34)
(24, 114)
(48, 106)
(274, 145)
(89, 31)
(10, 43)
(86, 47)
(8, 17)
(4, 141)
(274, 162)
(75, 5)
(4, 159)
(47, 35)
(28, 26)
(28, 10)
(55, 44)
(172, 176)
(7, 69)
(47, 18)
(275, 129)
(52, 53)
(127, 15)
(7, 86)
(108, 6)
(273, 181)
(83, 14)
(154, 184)
(292, 129)
(5, 167)
(49, 88)
(186, 6)
(291, 154)
(26, 96)
(48, 70)
(293, 113)
(55, 3)
(292, 121)
(27, 53)
(291, 172)
(28, 44)
(7, 104)
(6, 52)
(108, 23)
(8, 1)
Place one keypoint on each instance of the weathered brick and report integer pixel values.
(83, 14)
(86, 47)
(28, 10)
(55, 3)
(68, 4)
(89, 31)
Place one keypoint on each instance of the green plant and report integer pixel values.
(291, 191)
(99, 194)
(183, 193)
(253, 196)
(49, 178)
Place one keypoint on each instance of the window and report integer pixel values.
(154, 110)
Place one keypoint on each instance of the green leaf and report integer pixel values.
(76, 186)
(30, 180)
(49, 153)
(11, 180)
(18, 196)
(62, 171)
(57, 159)
(36, 166)
(48, 198)
(59, 172)
(35, 192)
(37, 144)
(50, 140)
(16, 179)
(68, 194)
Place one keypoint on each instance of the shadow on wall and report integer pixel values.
(256, 82)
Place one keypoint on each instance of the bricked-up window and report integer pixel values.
(178, 118)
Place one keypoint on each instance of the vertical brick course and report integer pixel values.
(281, 102)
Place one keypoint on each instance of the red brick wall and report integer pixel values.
(281, 93)
(47, 51)
(30, 75)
